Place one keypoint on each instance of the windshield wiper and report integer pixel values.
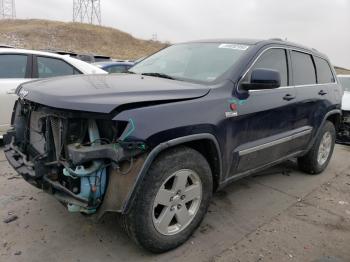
(158, 75)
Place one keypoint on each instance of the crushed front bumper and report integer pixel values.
(18, 160)
(119, 183)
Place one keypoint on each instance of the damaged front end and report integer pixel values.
(343, 136)
(69, 154)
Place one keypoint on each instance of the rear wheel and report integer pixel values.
(172, 200)
(317, 159)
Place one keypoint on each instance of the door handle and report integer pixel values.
(322, 93)
(288, 97)
(12, 91)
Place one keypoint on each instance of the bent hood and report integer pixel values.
(345, 105)
(103, 93)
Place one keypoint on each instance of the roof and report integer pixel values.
(229, 40)
(27, 51)
(261, 42)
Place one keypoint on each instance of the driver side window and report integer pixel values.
(275, 59)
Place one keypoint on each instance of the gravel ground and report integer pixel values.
(277, 215)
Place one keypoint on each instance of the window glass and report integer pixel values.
(13, 66)
(274, 59)
(50, 67)
(203, 62)
(324, 72)
(303, 69)
(345, 82)
(116, 69)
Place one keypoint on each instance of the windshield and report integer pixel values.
(203, 62)
(345, 82)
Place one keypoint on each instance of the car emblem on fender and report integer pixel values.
(23, 93)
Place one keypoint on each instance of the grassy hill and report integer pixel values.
(82, 38)
(342, 71)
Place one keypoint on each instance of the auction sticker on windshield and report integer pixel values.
(234, 46)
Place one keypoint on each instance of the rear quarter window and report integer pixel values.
(324, 72)
(50, 67)
(304, 72)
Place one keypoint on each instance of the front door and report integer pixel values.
(264, 127)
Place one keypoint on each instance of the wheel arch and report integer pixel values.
(205, 143)
(334, 116)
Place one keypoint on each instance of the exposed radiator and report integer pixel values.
(36, 135)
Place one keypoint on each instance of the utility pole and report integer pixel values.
(87, 11)
(7, 9)
(155, 37)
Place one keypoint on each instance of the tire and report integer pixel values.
(310, 163)
(142, 223)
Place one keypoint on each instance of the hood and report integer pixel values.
(103, 93)
(345, 105)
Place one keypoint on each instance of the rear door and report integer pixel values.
(266, 118)
(14, 70)
(312, 92)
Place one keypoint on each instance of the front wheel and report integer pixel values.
(317, 159)
(172, 200)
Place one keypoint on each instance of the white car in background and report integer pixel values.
(343, 136)
(20, 65)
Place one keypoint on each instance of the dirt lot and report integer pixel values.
(280, 215)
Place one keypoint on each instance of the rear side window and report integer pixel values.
(303, 69)
(324, 72)
(274, 59)
(50, 67)
(13, 66)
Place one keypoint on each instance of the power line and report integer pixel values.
(7, 9)
(87, 11)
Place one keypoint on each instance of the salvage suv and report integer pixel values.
(154, 144)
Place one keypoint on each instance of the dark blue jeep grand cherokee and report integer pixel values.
(155, 143)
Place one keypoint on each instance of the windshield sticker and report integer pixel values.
(234, 46)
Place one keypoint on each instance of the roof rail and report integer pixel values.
(276, 39)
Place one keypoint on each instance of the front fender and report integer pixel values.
(122, 189)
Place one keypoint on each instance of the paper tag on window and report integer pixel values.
(234, 46)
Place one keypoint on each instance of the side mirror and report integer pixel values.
(263, 79)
